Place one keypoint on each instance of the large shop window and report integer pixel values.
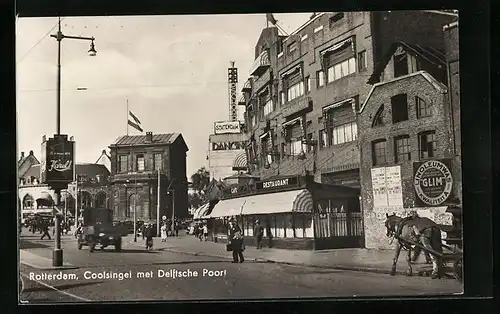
(295, 90)
(123, 163)
(379, 154)
(427, 144)
(402, 148)
(344, 133)
(140, 162)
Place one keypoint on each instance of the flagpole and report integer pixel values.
(127, 116)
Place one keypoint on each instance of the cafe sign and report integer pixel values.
(433, 181)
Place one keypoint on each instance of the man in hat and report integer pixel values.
(258, 232)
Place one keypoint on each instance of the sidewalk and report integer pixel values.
(39, 262)
(378, 261)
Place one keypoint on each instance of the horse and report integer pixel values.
(418, 230)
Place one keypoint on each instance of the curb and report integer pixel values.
(64, 267)
(337, 267)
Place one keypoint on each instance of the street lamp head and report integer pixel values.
(92, 51)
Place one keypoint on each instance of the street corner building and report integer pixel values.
(409, 133)
(136, 163)
(294, 211)
(352, 97)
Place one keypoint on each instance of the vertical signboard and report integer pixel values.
(58, 158)
(378, 187)
(233, 81)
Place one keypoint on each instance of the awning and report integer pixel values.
(292, 70)
(228, 208)
(337, 46)
(291, 122)
(338, 104)
(201, 211)
(282, 202)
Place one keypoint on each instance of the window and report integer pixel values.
(308, 84)
(337, 17)
(322, 139)
(413, 64)
(399, 105)
(402, 148)
(362, 62)
(320, 78)
(254, 120)
(296, 146)
(379, 152)
(268, 107)
(423, 108)
(292, 47)
(140, 166)
(400, 63)
(343, 133)
(318, 29)
(309, 148)
(378, 119)
(123, 163)
(339, 70)
(282, 97)
(157, 161)
(303, 37)
(295, 90)
(427, 144)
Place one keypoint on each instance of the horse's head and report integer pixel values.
(391, 222)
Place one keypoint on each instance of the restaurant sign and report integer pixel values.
(57, 161)
(433, 181)
(277, 183)
(227, 127)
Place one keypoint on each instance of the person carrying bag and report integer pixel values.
(235, 242)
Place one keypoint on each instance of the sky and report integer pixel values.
(172, 69)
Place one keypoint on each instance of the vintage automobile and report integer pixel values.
(98, 229)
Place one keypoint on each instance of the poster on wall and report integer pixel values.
(386, 185)
(379, 187)
(393, 186)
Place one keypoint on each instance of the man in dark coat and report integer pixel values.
(258, 233)
(236, 240)
(45, 230)
(149, 236)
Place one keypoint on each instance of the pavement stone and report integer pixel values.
(366, 260)
(39, 262)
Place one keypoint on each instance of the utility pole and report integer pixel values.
(158, 206)
(135, 208)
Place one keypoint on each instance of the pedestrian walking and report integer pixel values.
(149, 236)
(258, 233)
(236, 242)
(163, 233)
(205, 232)
(200, 232)
(45, 230)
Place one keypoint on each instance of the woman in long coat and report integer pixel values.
(236, 240)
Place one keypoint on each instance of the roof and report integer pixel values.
(430, 54)
(438, 85)
(91, 170)
(131, 140)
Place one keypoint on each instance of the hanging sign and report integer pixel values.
(57, 161)
(227, 127)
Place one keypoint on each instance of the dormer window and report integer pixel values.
(404, 63)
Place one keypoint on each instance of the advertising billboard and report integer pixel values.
(227, 127)
(433, 182)
(57, 161)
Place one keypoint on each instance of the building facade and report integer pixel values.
(306, 88)
(135, 161)
(226, 155)
(408, 157)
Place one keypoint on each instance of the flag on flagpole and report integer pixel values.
(136, 124)
(271, 19)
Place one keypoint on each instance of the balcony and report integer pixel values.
(296, 105)
(261, 64)
(261, 82)
(247, 87)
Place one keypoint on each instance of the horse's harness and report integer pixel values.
(396, 233)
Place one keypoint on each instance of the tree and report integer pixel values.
(200, 179)
(194, 200)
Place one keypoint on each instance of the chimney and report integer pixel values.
(149, 137)
(103, 152)
(22, 156)
(31, 153)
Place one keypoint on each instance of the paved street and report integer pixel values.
(216, 278)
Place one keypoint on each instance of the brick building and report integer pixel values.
(405, 124)
(306, 88)
(134, 177)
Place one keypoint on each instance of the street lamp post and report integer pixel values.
(57, 257)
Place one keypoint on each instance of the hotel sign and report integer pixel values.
(295, 106)
(227, 127)
(433, 181)
(277, 183)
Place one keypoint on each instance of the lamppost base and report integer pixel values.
(57, 257)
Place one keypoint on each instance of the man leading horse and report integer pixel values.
(415, 229)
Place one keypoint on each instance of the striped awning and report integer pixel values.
(228, 208)
(281, 202)
(240, 162)
(201, 211)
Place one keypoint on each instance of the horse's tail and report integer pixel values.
(436, 240)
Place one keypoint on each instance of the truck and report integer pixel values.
(97, 229)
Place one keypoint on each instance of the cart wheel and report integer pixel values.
(457, 270)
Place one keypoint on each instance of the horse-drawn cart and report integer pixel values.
(450, 255)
